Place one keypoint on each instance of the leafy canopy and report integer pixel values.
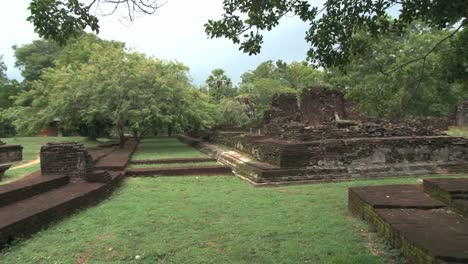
(333, 25)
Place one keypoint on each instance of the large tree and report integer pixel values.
(100, 83)
(377, 81)
(219, 85)
(332, 25)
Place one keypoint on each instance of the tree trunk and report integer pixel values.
(120, 130)
(136, 135)
(169, 130)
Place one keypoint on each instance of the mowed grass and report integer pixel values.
(208, 220)
(458, 132)
(170, 165)
(164, 148)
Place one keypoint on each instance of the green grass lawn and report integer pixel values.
(458, 132)
(208, 220)
(164, 148)
(168, 165)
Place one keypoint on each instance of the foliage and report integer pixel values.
(219, 86)
(333, 25)
(61, 20)
(232, 113)
(8, 89)
(35, 57)
(375, 80)
(97, 85)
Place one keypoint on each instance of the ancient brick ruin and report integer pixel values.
(8, 154)
(462, 114)
(66, 158)
(324, 137)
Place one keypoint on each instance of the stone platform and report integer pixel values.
(425, 229)
(267, 161)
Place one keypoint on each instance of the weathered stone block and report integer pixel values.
(66, 158)
(10, 153)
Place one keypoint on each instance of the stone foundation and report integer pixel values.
(263, 160)
(344, 152)
(11, 153)
(462, 114)
(66, 158)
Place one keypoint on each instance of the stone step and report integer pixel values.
(452, 191)
(180, 171)
(423, 228)
(29, 186)
(174, 160)
(28, 216)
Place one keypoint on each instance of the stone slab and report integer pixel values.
(441, 233)
(396, 196)
(425, 229)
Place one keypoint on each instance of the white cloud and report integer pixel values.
(175, 32)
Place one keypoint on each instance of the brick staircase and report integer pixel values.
(34, 202)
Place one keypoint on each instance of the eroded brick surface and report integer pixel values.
(66, 158)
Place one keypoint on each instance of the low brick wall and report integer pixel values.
(66, 158)
(11, 153)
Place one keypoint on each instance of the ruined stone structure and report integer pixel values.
(10, 153)
(326, 138)
(66, 158)
(462, 114)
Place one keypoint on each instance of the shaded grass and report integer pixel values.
(163, 148)
(208, 220)
(170, 165)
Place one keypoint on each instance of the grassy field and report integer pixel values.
(164, 148)
(209, 220)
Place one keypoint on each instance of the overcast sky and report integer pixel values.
(175, 32)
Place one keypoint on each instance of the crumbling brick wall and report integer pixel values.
(10, 153)
(66, 158)
(462, 114)
(325, 114)
(321, 104)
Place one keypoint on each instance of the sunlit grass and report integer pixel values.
(458, 132)
(163, 148)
